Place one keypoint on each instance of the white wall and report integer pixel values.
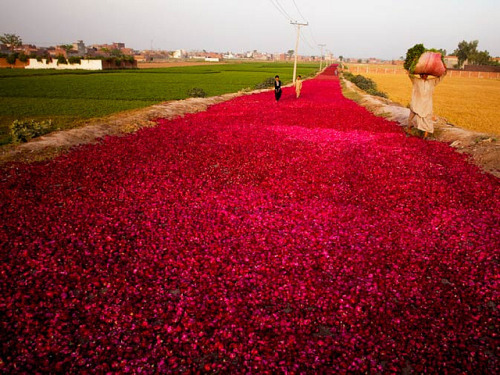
(84, 64)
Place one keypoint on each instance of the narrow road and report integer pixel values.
(301, 236)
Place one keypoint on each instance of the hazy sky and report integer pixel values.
(361, 28)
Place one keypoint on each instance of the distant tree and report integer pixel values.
(443, 52)
(468, 51)
(11, 40)
(480, 58)
(341, 58)
(67, 48)
(465, 50)
(290, 52)
(116, 53)
(11, 59)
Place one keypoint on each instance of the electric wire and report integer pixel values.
(284, 14)
(309, 29)
(298, 10)
(312, 35)
(283, 9)
(305, 40)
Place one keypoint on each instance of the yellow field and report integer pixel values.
(470, 103)
(387, 68)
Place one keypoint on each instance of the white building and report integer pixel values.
(80, 48)
(179, 54)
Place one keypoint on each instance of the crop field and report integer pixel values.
(470, 103)
(68, 97)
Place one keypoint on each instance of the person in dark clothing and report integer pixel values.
(277, 88)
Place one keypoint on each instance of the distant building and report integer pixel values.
(282, 57)
(128, 51)
(261, 56)
(104, 48)
(118, 46)
(152, 55)
(56, 51)
(80, 48)
(27, 49)
(179, 54)
(450, 61)
(201, 55)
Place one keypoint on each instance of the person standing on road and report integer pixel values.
(421, 102)
(298, 86)
(277, 88)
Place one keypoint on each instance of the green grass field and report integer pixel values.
(68, 97)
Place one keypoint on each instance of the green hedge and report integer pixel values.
(25, 130)
(365, 84)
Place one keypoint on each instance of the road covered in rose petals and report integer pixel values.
(307, 236)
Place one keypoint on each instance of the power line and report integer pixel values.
(312, 36)
(282, 8)
(298, 10)
(276, 5)
(303, 37)
(310, 29)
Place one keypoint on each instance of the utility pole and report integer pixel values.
(297, 46)
(321, 58)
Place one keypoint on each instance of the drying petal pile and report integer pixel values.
(430, 63)
(305, 236)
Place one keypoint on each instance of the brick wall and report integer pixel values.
(482, 68)
(124, 65)
(17, 65)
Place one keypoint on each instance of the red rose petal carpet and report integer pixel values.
(305, 236)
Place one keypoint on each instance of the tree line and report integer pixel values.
(468, 51)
